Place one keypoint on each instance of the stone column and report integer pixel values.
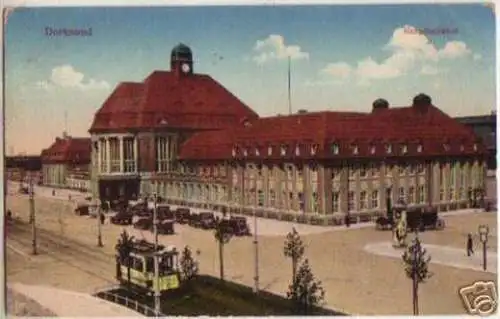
(122, 155)
(136, 154)
(382, 188)
(325, 189)
(344, 188)
(108, 153)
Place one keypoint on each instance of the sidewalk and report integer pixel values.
(65, 303)
(444, 255)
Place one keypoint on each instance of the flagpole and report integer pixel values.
(289, 89)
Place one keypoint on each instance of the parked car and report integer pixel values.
(182, 215)
(123, 217)
(165, 226)
(205, 220)
(164, 212)
(144, 223)
(236, 226)
(82, 209)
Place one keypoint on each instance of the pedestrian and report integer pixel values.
(470, 250)
(103, 218)
(9, 215)
(347, 220)
(53, 192)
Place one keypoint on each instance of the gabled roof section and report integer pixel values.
(416, 131)
(68, 150)
(169, 99)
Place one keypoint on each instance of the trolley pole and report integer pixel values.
(156, 263)
(256, 252)
(32, 214)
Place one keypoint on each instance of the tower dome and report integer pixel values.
(181, 58)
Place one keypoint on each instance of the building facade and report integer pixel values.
(185, 137)
(66, 155)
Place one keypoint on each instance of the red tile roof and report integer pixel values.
(426, 127)
(68, 150)
(193, 101)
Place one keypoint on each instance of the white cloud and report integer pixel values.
(454, 49)
(429, 70)
(274, 48)
(338, 70)
(65, 76)
(409, 49)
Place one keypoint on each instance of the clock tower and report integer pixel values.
(181, 60)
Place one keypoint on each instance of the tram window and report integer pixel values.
(166, 264)
(150, 265)
(138, 264)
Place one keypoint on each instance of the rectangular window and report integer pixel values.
(388, 170)
(114, 154)
(375, 199)
(103, 152)
(374, 169)
(402, 195)
(352, 171)
(461, 193)
(411, 169)
(260, 197)
(362, 171)
(314, 173)
(451, 194)
(350, 201)
(441, 194)
(272, 198)
(335, 202)
(402, 169)
(315, 203)
(335, 174)
(362, 200)
(421, 194)
(420, 168)
(128, 154)
(411, 195)
(289, 172)
(161, 154)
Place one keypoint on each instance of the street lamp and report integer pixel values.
(483, 237)
(256, 251)
(98, 213)
(32, 213)
(156, 263)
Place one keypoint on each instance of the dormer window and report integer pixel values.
(335, 148)
(475, 147)
(269, 150)
(404, 149)
(297, 150)
(372, 149)
(234, 152)
(419, 148)
(314, 149)
(245, 152)
(388, 148)
(462, 148)
(257, 152)
(446, 147)
(355, 149)
(283, 150)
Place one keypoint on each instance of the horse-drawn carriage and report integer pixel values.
(417, 218)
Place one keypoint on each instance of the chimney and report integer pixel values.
(379, 104)
(422, 102)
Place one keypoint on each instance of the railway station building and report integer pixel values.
(187, 138)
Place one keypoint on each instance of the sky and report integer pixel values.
(342, 57)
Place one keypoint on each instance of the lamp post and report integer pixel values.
(256, 252)
(483, 237)
(156, 263)
(97, 207)
(32, 214)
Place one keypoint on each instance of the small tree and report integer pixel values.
(294, 249)
(416, 262)
(188, 265)
(222, 236)
(123, 249)
(305, 291)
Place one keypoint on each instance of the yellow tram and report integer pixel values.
(139, 265)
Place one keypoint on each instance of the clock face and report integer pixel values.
(185, 68)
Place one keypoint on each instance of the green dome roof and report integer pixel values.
(181, 50)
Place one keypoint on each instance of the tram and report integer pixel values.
(140, 264)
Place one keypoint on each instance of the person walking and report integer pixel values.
(102, 217)
(470, 250)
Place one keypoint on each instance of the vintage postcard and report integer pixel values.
(259, 160)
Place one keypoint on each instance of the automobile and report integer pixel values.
(165, 212)
(165, 226)
(123, 217)
(236, 225)
(182, 215)
(205, 220)
(144, 223)
(82, 209)
(24, 190)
